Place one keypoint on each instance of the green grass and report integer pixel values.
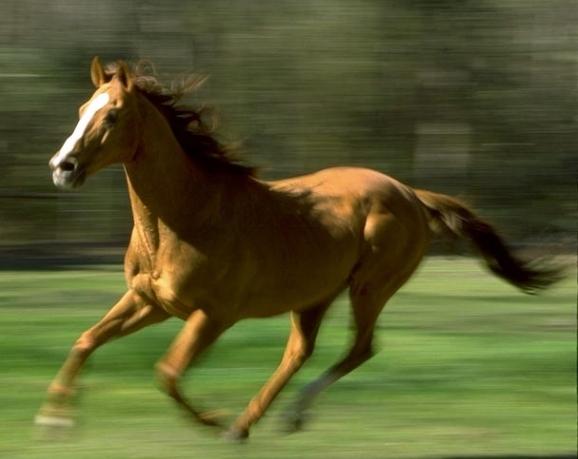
(468, 366)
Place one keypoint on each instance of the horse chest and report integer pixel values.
(179, 284)
(164, 292)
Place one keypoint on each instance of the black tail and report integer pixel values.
(451, 214)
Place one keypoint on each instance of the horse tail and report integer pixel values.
(450, 214)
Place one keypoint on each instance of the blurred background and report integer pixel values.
(472, 98)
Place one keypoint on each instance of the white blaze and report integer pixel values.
(95, 105)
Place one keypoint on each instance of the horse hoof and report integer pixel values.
(294, 421)
(51, 428)
(234, 435)
(214, 418)
(54, 421)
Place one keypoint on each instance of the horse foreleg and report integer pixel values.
(130, 314)
(304, 328)
(198, 334)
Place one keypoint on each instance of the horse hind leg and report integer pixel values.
(368, 297)
(300, 345)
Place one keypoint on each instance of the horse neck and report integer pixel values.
(169, 192)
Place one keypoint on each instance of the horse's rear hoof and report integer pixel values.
(234, 435)
(294, 421)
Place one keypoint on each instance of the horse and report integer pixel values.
(212, 244)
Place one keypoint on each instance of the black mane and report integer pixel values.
(189, 125)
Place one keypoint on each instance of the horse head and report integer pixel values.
(106, 132)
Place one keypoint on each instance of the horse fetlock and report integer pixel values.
(58, 393)
(59, 405)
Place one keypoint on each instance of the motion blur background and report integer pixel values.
(474, 98)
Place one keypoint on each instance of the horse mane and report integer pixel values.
(194, 128)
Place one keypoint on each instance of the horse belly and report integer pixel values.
(306, 263)
(297, 287)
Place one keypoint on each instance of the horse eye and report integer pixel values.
(111, 117)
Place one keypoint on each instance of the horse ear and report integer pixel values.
(124, 75)
(97, 72)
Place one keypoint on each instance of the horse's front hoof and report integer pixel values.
(214, 418)
(54, 421)
(55, 415)
(236, 435)
(52, 428)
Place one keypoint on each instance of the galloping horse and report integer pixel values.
(212, 244)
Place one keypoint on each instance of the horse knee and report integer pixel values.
(167, 378)
(84, 345)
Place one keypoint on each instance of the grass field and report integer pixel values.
(468, 367)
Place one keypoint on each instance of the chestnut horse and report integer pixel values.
(212, 245)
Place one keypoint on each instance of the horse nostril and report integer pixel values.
(67, 166)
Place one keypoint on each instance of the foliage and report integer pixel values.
(470, 98)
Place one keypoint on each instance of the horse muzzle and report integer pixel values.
(66, 172)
